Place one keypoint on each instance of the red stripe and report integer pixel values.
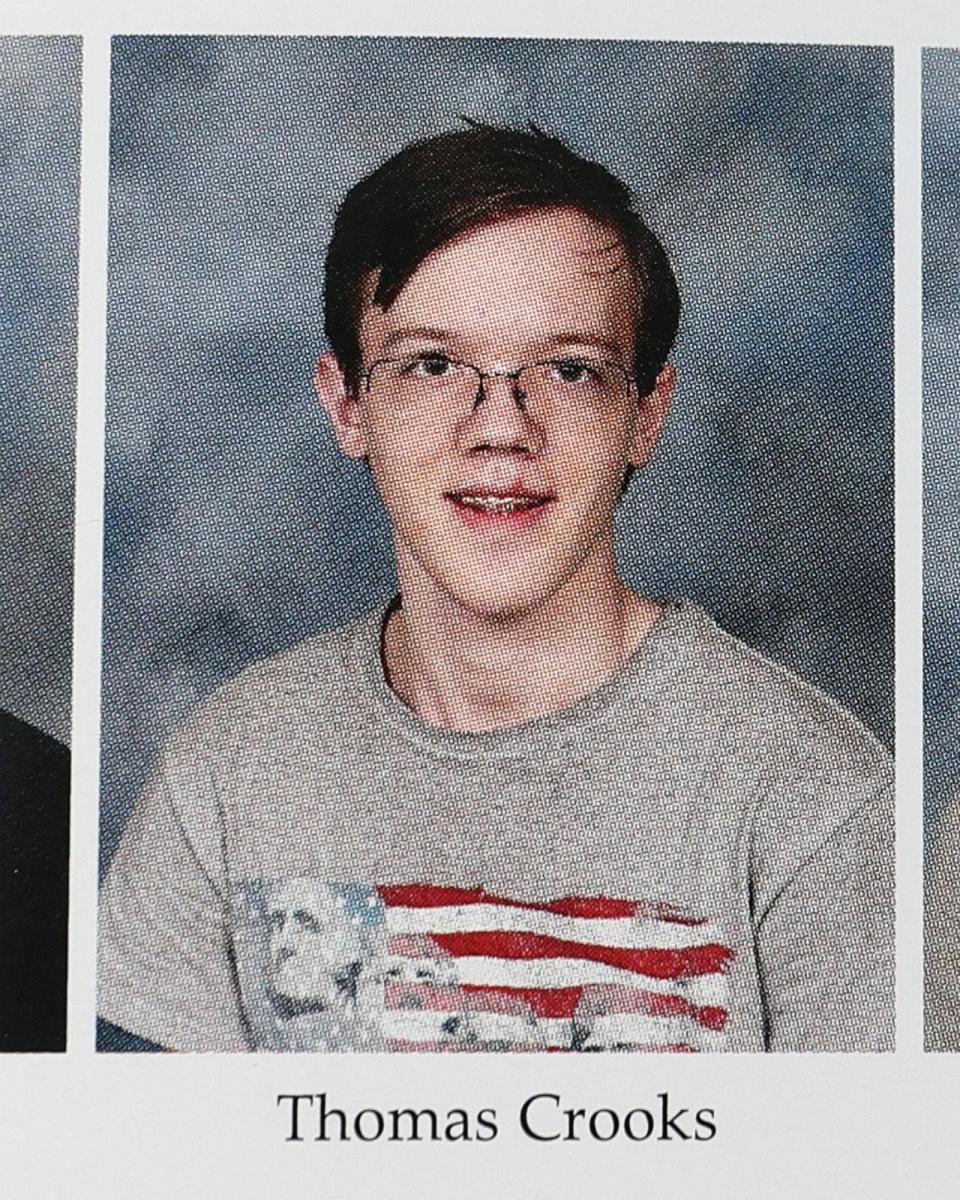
(560, 1003)
(427, 997)
(521, 1002)
(416, 945)
(676, 916)
(600, 1000)
(427, 895)
(653, 962)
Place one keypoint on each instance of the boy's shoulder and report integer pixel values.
(316, 680)
(751, 699)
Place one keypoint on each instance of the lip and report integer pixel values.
(491, 519)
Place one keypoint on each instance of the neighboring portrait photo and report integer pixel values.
(941, 582)
(498, 615)
(39, 196)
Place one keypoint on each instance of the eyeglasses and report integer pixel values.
(437, 384)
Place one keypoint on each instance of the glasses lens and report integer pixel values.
(435, 383)
(427, 381)
(573, 382)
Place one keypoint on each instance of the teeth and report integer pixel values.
(499, 503)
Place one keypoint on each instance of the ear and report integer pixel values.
(653, 409)
(342, 407)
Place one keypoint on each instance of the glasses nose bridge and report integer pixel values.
(508, 425)
(517, 394)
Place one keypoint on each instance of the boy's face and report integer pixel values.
(311, 941)
(498, 499)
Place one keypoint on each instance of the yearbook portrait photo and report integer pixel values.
(39, 196)
(498, 561)
(941, 603)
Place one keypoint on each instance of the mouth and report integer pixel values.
(516, 508)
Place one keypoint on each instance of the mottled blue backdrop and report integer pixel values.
(233, 526)
(39, 197)
(941, 424)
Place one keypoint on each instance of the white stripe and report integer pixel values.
(634, 932)
(624, 1028)
(552, 973)
(417, 1025)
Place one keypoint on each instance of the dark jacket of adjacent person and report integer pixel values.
(34, 844)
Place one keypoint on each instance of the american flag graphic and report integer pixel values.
(470, 970)
(420, 967)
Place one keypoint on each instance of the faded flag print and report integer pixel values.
(350, 966)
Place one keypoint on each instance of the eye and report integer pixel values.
(428, 366)
(575, 370)
(306, 920)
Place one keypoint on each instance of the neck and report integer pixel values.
(459, 669)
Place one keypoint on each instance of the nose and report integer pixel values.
(499, 421)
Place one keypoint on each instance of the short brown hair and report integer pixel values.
(439, 187)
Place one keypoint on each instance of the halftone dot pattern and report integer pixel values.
(233, 525)
(941, 520)
(941, 430)
(723, 792)
(39, 197)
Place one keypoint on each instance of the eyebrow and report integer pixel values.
(597, 341)
(555, 340)
(424, 332)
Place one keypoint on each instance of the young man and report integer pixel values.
(534, 810)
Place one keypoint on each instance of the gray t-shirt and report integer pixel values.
(698, 856)
(942, 936)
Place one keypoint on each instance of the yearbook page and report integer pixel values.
(485, 454)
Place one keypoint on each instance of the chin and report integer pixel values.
(501, 599)
(301, 987)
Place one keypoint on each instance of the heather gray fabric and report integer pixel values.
(725, 797)
(942, 937)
